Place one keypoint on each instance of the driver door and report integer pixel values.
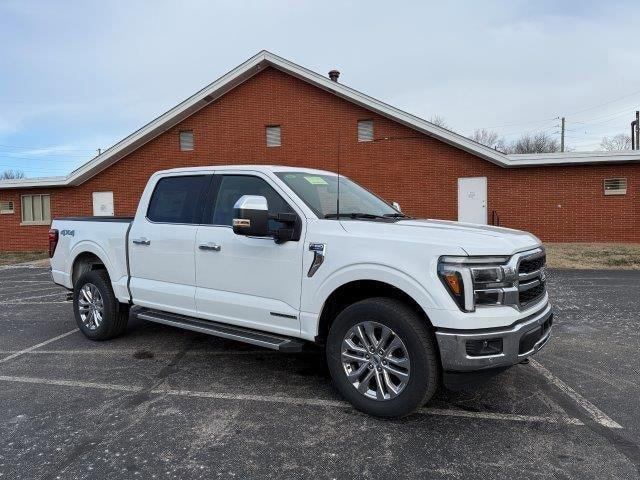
(247, 281)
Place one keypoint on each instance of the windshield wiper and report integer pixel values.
(353, 215)
(396, 215)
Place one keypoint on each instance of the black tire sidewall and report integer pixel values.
(423, 368)
(109, 304)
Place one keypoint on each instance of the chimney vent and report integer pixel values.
(334, 74)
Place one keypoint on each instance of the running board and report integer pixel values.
(240, 334)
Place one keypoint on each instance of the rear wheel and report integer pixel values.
(98, 313)
(382, 357)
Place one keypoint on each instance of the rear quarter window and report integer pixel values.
(178, 199)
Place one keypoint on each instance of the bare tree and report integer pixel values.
(621, 141)
(11, 174)
(439, 121)
(488, 138)
(537, 143)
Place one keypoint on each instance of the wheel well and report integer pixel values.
(85, 262)
(353, 292)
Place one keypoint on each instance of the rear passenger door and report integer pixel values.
(247, 281)
(162, 242)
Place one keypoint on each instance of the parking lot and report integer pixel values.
(166, 403)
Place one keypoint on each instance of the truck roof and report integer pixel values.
(259, 168)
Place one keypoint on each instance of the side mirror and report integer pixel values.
(251, 216)
(396, 205)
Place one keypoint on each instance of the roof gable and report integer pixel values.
(265, 59)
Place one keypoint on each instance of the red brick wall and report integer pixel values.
(555, 203)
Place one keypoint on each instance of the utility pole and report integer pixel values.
(562, 136)
(638, 129)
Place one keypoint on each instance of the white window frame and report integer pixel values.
(11, 207)
(193, 140)
(361, 130)
(619, 191)
(44, 220)
(273, 128)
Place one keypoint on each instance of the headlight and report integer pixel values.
(474, 281)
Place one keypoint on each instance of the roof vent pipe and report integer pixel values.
(334, 74)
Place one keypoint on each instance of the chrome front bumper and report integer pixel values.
(453, 343)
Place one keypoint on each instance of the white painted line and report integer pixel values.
(112, 351)
(20, 289)
(501, 416)
(593, 411)
(314, 402)
(36, 303)
(18, 301)
(2, 282)
(42, 344)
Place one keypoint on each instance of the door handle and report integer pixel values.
(141, 241)
(214, 247)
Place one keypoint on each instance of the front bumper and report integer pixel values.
(519, 341)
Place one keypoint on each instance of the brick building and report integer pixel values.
(271, 111)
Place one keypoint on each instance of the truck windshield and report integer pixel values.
(320, 193)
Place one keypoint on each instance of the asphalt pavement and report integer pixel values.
(160, 402)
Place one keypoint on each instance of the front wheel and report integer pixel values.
(382, 357)
(98, 313)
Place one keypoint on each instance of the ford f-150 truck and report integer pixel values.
(281, 257)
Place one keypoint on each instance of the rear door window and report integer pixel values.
(178, 199)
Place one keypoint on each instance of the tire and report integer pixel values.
(114, 315)
(417, 344)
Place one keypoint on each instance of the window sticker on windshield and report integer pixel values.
(316, 180)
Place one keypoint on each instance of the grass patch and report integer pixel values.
(593, 255)
(11, 258)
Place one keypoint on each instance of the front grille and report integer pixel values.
(531, 286)
(531, 295)
(531, 265)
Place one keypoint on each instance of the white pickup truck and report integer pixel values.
(281, 257)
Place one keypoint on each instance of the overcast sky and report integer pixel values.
(77, 76)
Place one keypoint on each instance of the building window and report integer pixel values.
(36, 209)
(274, 136)
(6, 207)
(186, 140)
(365, 130)
(615, 186)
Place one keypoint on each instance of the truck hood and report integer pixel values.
(472, 238)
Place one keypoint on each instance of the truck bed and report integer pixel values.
(104, 237)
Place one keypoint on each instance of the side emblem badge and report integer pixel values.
(318, 250)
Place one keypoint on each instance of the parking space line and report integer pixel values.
(18, 301)
(18, 287)
(313, 402)
(593, 411)
(42, 344)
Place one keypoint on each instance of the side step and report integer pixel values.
(240, 334)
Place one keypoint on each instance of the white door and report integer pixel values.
(162, 244)
(247, 281)
(103, 204)
(472, 200)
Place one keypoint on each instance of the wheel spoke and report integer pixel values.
(369, 329)
(398, 361)
(355, 375)
(384, 337)
(398, 373)
(352, 346)
(379, 385)
(362, 336)
(391, 387)
(350, 357)
(363, 387)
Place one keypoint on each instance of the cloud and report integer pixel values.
(102, 69)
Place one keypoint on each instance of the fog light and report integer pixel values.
(489, 346)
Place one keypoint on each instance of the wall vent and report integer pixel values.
(365, 130)
(615, 186)
(274, 136)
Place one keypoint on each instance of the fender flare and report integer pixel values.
(376, 272)
(88, 246)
